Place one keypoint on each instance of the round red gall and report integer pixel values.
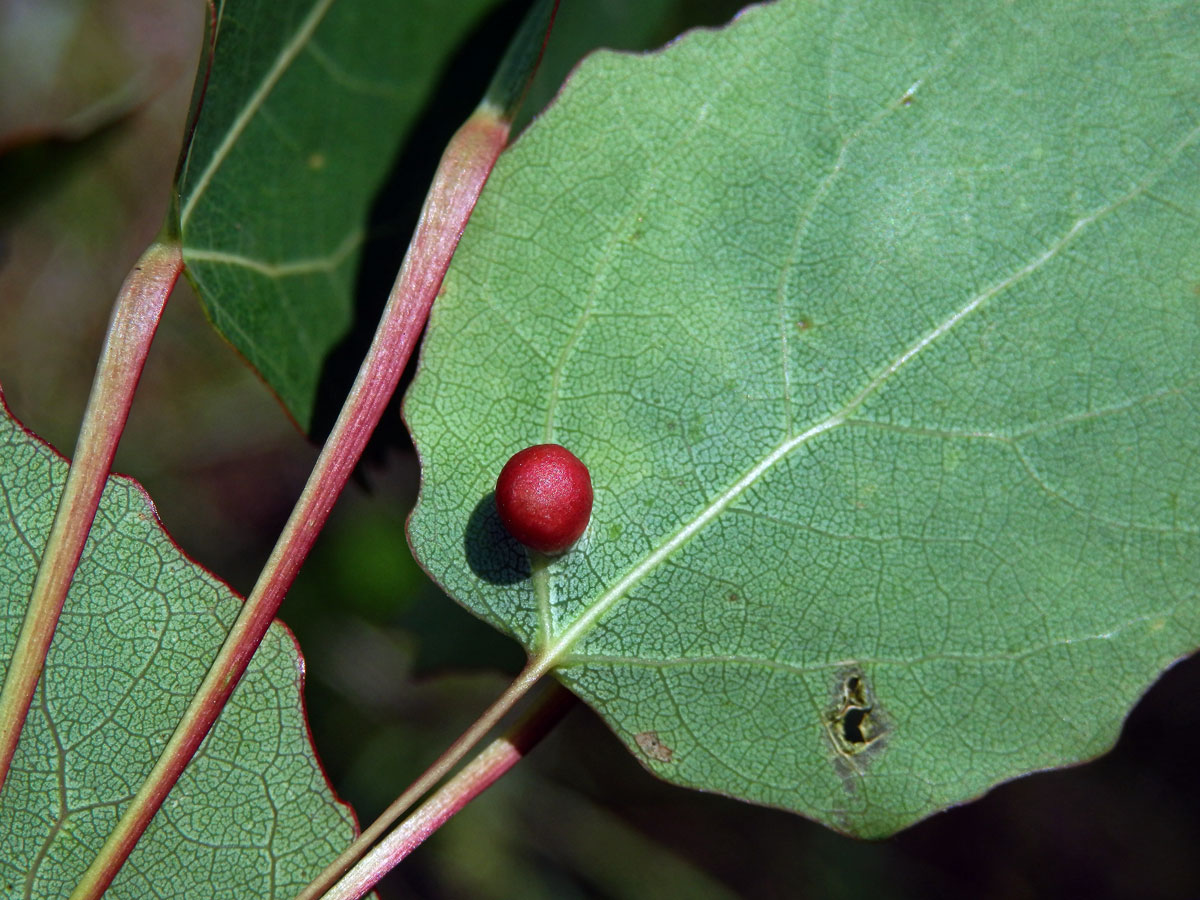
(544, 497)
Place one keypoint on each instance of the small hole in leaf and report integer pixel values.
(852, 723)
(857, 726)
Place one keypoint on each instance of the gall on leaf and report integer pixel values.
(544, 497)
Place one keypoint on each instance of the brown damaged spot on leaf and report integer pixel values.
(856, 726)
(653, 747)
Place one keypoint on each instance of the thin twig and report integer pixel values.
(135, 318)
(478, 775)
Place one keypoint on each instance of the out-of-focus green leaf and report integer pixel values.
(66, 68)
(252, 816)
(307, 106)
(878, 327)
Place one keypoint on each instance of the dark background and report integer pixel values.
(91, 111)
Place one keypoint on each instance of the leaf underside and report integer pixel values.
(253, 816)
(877, 326)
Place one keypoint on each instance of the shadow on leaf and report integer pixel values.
(493, 553)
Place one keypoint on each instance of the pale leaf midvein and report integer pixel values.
(307, 266)
(287, 55)
(1016, 656)
(553, 653)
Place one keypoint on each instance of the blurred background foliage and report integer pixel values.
(92, 99)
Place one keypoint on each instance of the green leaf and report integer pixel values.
(253, 816)
(308, 102)
(877, 326)
(580, 28)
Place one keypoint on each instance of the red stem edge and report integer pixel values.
(135, 318)
(465, 166)
(471, 781)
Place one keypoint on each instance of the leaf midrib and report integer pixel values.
(594, 659)
(287, 55)
(560, 646)
(291, 268)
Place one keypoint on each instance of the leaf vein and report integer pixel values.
(288, 53)
(291, 268)
(598, 659)
(567, 638)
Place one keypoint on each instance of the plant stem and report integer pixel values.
(504, 95)
(131, 330)
(135, 318)
(464, 168)
(436, 772)
(461, 174)
(483, 771)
